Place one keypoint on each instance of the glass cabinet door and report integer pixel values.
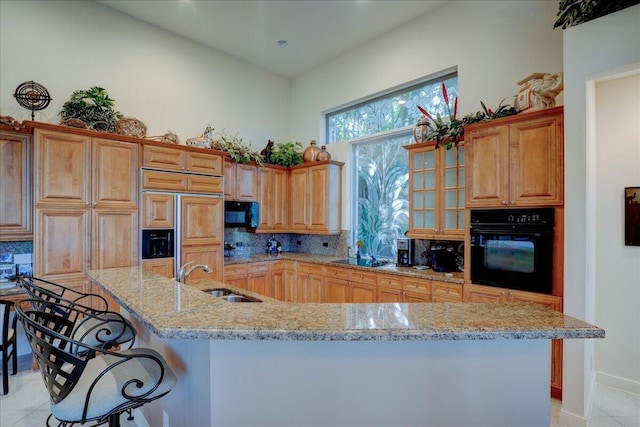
(437, 193)
(453, 188)
(423, 196)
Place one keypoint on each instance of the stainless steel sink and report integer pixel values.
(362, 262)
(219, 292)
(229, 295)
(240, 298)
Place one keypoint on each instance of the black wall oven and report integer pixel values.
(513, 248)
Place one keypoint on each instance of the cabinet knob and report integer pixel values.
(512, 202)
(504, 202)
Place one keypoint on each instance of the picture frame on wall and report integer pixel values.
(632, 216)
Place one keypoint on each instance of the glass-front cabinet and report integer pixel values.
(436, 191)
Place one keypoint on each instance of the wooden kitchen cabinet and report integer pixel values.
(389, 288)
(211, 255)
(158, 210)
(162, 266)
(273, 199)
(62, 168)
(236, 275)
(516, 161)
(389, 294)
(201, 220)
(202, 233)
(436, 191)
(446, 292)
(16, 219)
(179, 159)
(363, 286)
(259, 278)
(277, 279)
(310, 282)
(336, 287)
(61, 247)
(316, 207)
(480, 293)
(114, 238)
(289, 281)
(86, 204)
(240, 181)
(416, 290)
(115, 169)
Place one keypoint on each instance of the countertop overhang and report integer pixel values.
(184, 311)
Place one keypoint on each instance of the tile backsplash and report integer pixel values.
(251, 243)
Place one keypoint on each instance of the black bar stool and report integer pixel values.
(98, 327)
(83, 389)
(8, 342)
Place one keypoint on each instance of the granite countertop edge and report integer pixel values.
(183, 311)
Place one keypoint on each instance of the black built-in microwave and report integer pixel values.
(241, 214)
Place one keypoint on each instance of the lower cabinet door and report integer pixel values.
(163, 266)
(363, 293)
(336, 291)
(211, 255)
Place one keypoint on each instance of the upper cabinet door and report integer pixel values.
(204, 163)
(201, 220)
(436, 191)
(536, 162)
(15, 186)
(163, 157)
(299, 203)
(115, 171)
(63, 168)
(488, 166)
(516, 161)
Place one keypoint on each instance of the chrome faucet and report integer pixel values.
(184, 272)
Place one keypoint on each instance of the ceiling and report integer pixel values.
(315, 31)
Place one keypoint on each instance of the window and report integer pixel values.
(378, 128)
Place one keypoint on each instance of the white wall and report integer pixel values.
(493, 44)
(617, 279)
(166, 81)
(591, 51)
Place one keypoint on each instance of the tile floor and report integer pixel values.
(27, 405)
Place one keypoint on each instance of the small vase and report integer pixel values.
(323, 154)
(311, 152)
(421, 130)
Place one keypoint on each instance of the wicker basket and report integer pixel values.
(131, 127)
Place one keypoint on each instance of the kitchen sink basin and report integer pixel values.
(362, 262)
(240, 298)
(219, 292)
(229, 295)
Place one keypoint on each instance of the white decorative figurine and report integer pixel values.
(538, 91)
(203, 141)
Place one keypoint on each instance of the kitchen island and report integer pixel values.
(272, 363)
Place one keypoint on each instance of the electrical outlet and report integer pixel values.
(165, 419)
(298, 242)
(325, 244)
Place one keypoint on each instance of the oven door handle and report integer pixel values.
(510, 229)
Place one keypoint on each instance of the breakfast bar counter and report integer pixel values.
(273, 363)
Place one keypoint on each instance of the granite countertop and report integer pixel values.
(329, 261)
(183, 311)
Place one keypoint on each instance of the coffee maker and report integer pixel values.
(406, 252)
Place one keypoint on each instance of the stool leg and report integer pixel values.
(15, 355)
(114, 420)
(130, 417)
(5, 372)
